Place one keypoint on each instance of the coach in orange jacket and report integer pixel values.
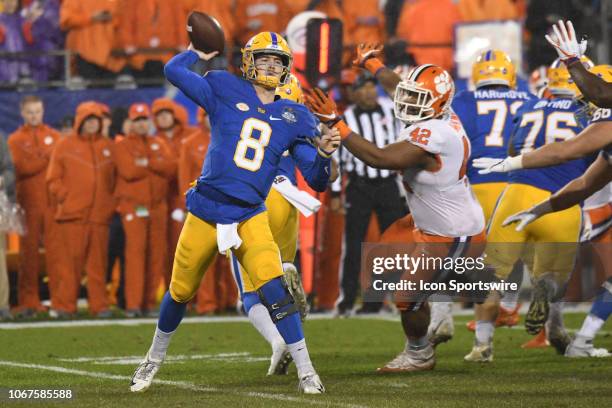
(146, 166)
(31, 147)
(173, 132)
(81, 179)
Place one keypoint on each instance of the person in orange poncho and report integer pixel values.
(145, 166)
(81, 180)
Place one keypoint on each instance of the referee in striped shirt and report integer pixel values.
(367, 189)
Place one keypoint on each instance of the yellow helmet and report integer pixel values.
(292, 90)
(266, 43)
(493, 67)
(560, 82)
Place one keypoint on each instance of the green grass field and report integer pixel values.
(223, 364)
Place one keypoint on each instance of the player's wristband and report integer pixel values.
(543, 208)
(324, 154)
(569, 61)
(514, 163)
(374, 65)
(343, 128)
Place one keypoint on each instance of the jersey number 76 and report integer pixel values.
(248, 142)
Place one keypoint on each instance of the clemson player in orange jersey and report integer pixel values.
(432, 154)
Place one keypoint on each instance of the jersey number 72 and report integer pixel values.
(500, 108)
(248, 142)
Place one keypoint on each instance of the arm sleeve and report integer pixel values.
(193, 85)
(315, 168)
(26, 163)
(127, 169)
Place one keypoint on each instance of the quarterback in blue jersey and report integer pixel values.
(486, 115)
(250, 131)
(538, 123)
(282, 204)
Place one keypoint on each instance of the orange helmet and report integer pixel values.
(425, 93)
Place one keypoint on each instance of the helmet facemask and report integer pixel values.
(413, 103)
(267, 81)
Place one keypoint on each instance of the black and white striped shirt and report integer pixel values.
(378, 126)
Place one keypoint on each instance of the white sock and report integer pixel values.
(260, 318)
(484, 331)
(589, 329)
(555, 316)
(509, 300)
(300, 355)
(440, 309)
(161, 341)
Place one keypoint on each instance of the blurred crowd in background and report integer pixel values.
(108, 38)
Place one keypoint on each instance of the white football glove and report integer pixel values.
(494, 165)
(526, 217)
(523, 219)
(566, 43)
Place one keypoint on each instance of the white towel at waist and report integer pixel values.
(304, 202)
(227, 237)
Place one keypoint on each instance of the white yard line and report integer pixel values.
(581, 308)
(243, 357)
(178, 384)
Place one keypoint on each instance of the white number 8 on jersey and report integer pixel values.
(247, 141)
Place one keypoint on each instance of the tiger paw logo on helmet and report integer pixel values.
(443, 83)
(425, 93)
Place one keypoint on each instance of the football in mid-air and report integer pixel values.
(205, 32)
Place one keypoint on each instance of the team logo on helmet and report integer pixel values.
(425, 93)
(266, 43)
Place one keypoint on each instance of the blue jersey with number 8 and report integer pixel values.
(248, 137)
